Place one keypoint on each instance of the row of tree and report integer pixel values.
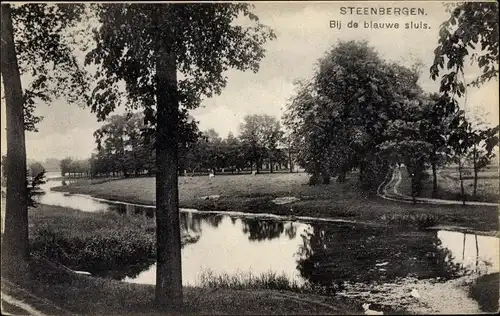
(362, 112)
(74, 167)
(125, 147)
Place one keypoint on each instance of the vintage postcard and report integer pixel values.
(266, 157)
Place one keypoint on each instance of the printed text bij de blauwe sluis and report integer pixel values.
(381, 11)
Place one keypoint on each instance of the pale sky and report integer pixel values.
(303, 35)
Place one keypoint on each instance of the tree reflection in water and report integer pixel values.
(260, 230)
(336, 253)
(192, 222)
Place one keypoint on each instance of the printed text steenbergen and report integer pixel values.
(381, 11)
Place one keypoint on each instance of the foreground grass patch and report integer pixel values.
(264, 281)
(269, 280)
(90, 241)
(87, 295)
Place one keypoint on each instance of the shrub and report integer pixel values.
(103, 251)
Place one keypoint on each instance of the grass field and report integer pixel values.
(254, 194)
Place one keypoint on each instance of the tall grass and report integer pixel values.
(247, 280)
(420, 221)
(265, 281)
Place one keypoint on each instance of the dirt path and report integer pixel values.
(18, 301)
(389, 190)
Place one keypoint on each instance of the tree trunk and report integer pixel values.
(271, 165)
(477, 253)
(341, 177)
(462, 190)
(413, 190)
(168, 237)
(290, 163)
(434, 179)
(474, 160)
(15, 247)
(463, 248)
(326, 178)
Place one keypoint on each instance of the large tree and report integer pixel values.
(169, 56)
(272, 135)
(436, 131)
(34, 44)
(406, 141)
(261, 133)
(338, 118)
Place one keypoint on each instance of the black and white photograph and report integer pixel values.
(257, 157)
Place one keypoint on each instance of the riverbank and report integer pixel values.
(63, 239)
(86, 295)
(255, 194)
(72, 291)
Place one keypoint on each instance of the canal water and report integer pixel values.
(319, 253)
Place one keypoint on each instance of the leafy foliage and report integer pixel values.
(340, 117)
(43, 41)
(205, 47)
(34, 178)
(471, 31)
(261, 134)
(472, 25)
(34, 188)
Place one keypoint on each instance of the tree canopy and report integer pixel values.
(46, 55)
(339, 117)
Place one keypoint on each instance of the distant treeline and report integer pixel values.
(125, 148)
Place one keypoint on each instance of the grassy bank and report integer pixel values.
(87, 295)
(485, 291)
(91, 241)
(488, 185)
(85, 241)
(254, 194)
(99, 241)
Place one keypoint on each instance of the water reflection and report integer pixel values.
(259, 230)
(227, 246)
(362, 253)
(475, 252)
(322, 254)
